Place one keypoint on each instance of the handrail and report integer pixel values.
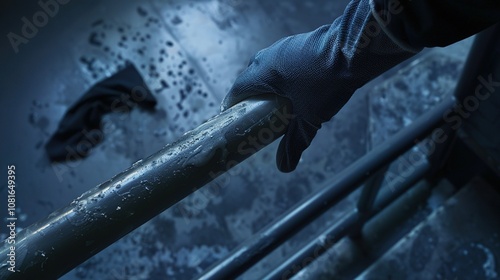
(53, 246)
(248, 253)
(99, 217)
(352, 221)
(348, 180)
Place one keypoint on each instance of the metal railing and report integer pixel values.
(55, 245)
(346, 182)
(370, 169)
(99, 217)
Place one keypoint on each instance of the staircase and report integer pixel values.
(458, 240)
(431, 232)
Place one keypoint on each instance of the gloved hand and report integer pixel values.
(318, 72)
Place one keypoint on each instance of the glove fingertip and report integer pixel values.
(297, 138)
(225, 104)
(286, 158)
(235, 95)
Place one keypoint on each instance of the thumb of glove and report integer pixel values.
(298, 137)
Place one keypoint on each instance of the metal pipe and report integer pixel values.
(55, 245)
(262, 243)
(352, 222)
(370, 191)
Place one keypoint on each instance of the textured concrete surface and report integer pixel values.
(458, 241)
(189, 53)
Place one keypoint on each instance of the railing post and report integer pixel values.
(367, 199)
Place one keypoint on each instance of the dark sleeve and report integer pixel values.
(432, 23)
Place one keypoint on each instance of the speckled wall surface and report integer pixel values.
(189, 53)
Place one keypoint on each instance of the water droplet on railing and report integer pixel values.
(137, 163)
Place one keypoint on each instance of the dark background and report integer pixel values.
(203, 44)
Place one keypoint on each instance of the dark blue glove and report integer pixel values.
(318, 72)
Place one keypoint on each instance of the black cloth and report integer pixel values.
(80, 129)
(436, 23)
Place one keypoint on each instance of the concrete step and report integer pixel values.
(459, 240)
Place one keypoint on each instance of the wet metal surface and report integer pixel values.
(107, 212)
